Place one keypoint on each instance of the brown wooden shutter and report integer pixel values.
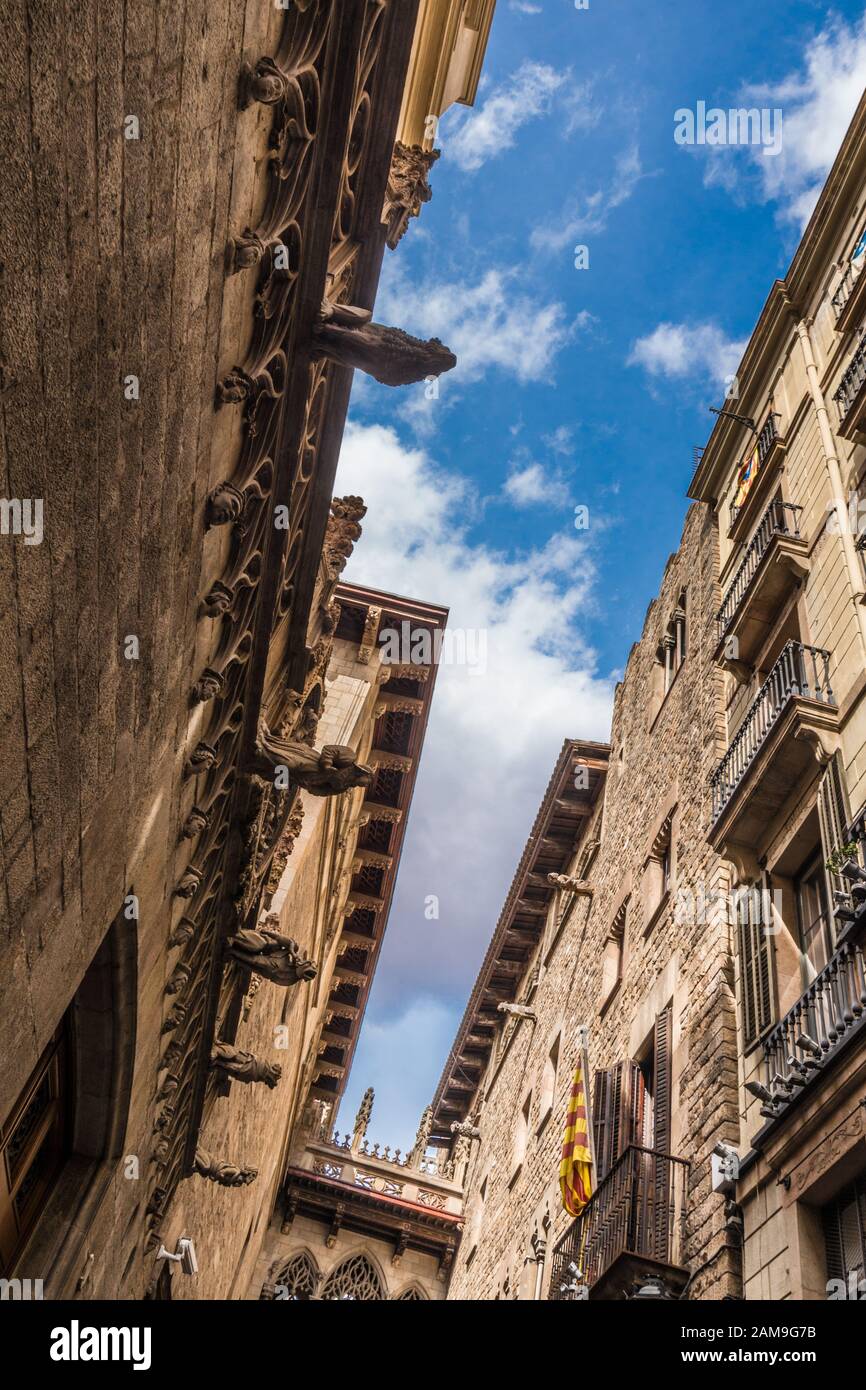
(662, 1081)
(833, 818)
(617, 1112)
(662, 1173)
(756, 980)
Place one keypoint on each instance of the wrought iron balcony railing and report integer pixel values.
(800, 671)
(853, 379)
(780, 519)
(844, 291)
(809, 1036)
(766, 439)
(638, 1209)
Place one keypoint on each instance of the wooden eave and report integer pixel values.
(558, 825)
(355, 601)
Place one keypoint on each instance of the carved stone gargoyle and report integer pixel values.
(346, 334)
(271, 955)
(244, 1066)
(328, 772)
(466, 1129)
(219, 1170)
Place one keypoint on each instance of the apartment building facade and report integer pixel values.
(611, 938)
(701, 950)
(783, 473)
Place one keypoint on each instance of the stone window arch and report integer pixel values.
(411, 1295)
(355, 1280)
(295, 1281)
(99, 1026)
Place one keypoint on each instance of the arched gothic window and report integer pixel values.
(355, 1280)
(413, 1295)
(295, 1282)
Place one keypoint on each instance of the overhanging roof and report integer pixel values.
(550, 848)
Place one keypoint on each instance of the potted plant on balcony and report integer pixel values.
(844, 862)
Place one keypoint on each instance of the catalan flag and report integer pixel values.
(575, 1169)
(746, 476)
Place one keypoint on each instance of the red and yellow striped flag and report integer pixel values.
(575, 1169)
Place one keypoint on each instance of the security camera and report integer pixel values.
(184, 1255)
(724, 1151)
(186, 1250)
(756, 1089)
(724, 1167)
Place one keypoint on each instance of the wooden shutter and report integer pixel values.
(617, 1113)
(844, 1222)
(833, 818)
(662, 1081)
(662, 1173)
(756, 980)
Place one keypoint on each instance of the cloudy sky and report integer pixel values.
(575, 387)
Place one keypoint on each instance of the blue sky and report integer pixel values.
(573, 387)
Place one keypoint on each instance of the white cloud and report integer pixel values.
(492, 126)
(493, 737)
(589, 215)
(531, 485)
(561, 440)
(680, 350)
(817, 104)
(524, 7)
(490, 323)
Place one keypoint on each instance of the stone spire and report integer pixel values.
(362, 1119)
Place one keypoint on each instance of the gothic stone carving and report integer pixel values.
(277, 958)
(221, 1171)
(362, 1119)
(244, 1066)
(244, 251)
(346, 335)
(208, 686)
(408, 188)
(326, 773)
(343, 530)
(422, 1138)
(264, 83)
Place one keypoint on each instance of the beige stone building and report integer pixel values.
(354, 1222)
(703, 932)
(593, 936)
(213, 191)
(789, 792)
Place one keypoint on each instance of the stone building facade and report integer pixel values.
(212, 192)
(709, 925)
(606, 930)
(789, 792)
(352, 1221)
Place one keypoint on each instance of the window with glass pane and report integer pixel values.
(845, 1233)
(33, 1140)
(816, 931)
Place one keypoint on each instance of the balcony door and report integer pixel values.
(814, 919)
(632, 1129)
(844, 1221)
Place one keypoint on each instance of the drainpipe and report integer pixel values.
(832, 460)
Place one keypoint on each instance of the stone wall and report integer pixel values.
(113, 253)
(416, 1272)
(661, 758)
